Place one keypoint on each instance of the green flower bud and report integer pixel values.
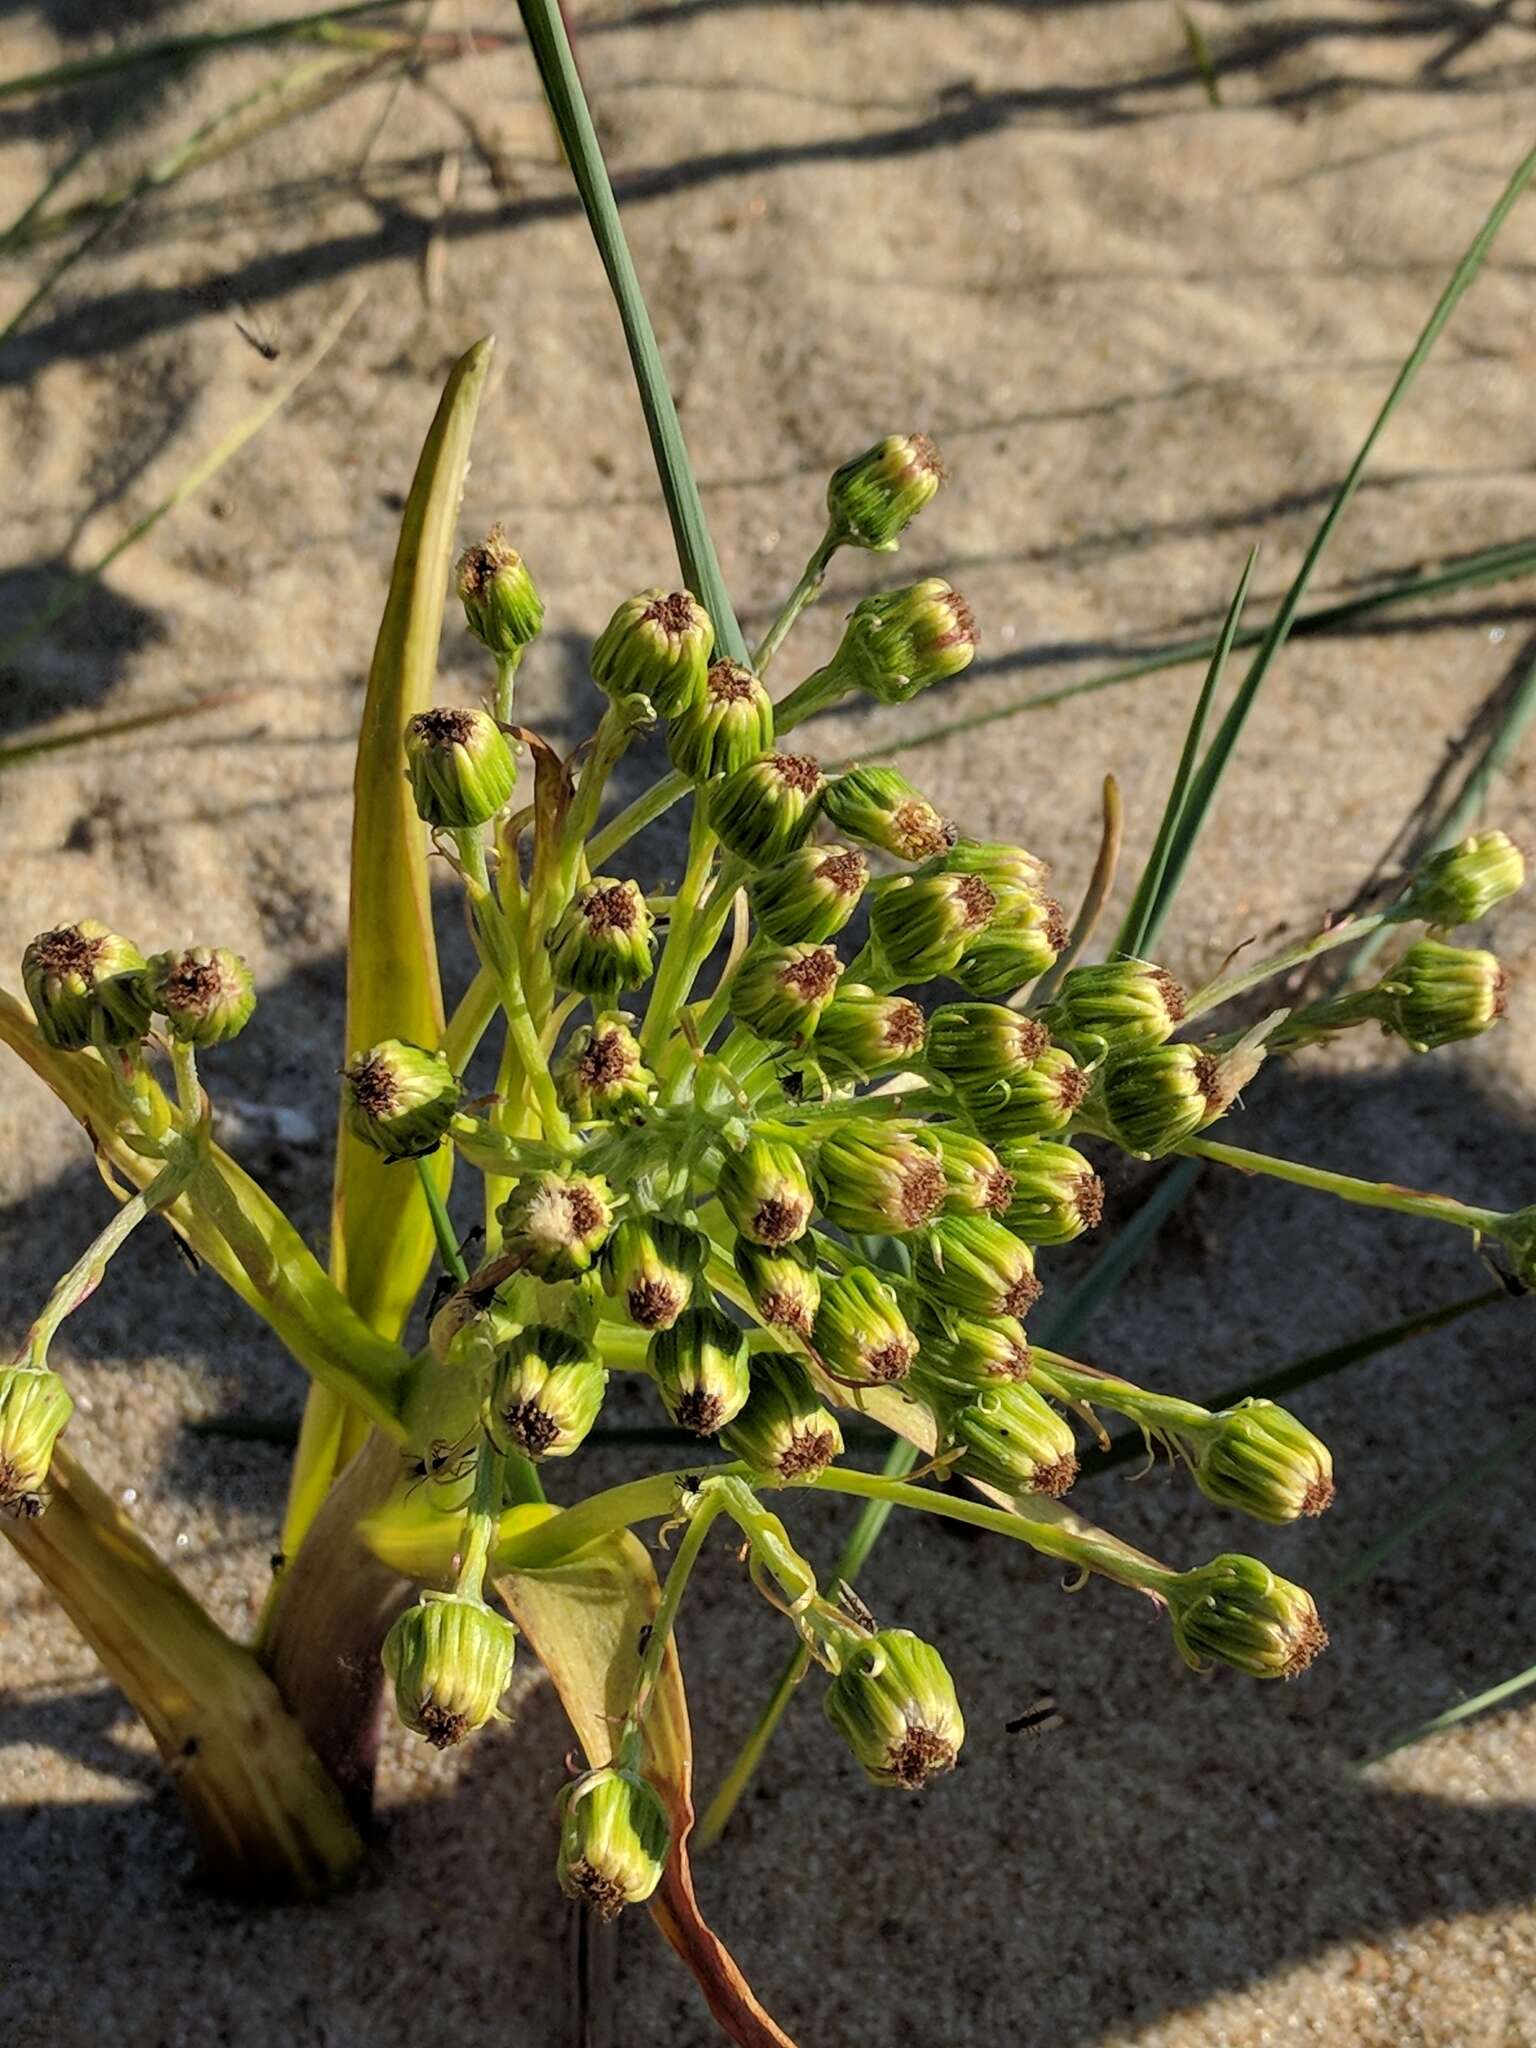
(921, 925)
(1437, 994)
(699, 1365)
(34, 1407)
(973, 1263)
(865, 1034)
(1236, 1611)
(1015, 1440)
(1056, 1193)
(893, 1702)
(860, 1332)
(1010, 870)
(809, 895)
(767, 809)
(766, 1192)
(206, 994)
(970, 1355)
(1154, 1100)
(978, 1047)
(602, 941)
(600, 1074)
(873, 498)
(784, 1429)
(615, 1839)
(460, 766)
(546, 1392)
(82, 980)
(1260, 1460)
(1117, 1006)
(875, 1178)
(784, 1285)
(1038, 1101)
(976, 1181)
(501, 607)
(1463, 883)
(399, 1098)
(656, 646)
(450, 1660)
(880, 807)
(898, 642)
(561, 1220)
(730, 725)
(650, 1266)
(1016, 949)
(780, 991)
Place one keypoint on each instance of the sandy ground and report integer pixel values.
(1148, 333)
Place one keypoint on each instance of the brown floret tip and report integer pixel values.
(921, 1192)
(963, 623)
(1088, 1200)
(374, 1088)
(808, 1450)
(600, 1893)
(604, 1062)
(193, 987)
(1055, 924)
(1307, 1642)
(1071, 1087)
(921, 1754)
(778, 1221)
(892, 1361)
(699, 1411)
(1318, 1497)
(906, 1027)
(441, 1727)
(800, 772)
(925, 456)
(976, 900)
(1056, 1478)
(1030, 1039)
(653, 1304)
(730, 683)
(814, 975)
(445, 725)
(845, 872)
(532, 1428)
(611, 910)
(586, 1212)
(919, 830)
(997, 1190)
(674, 614)
(66, 950)
(1022, 1295)
(1175, 1002)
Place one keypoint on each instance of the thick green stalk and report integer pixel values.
(1344, 933)
(1372, 1194)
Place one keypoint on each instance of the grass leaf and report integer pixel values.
(1493, 1697)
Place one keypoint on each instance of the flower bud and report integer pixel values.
(546, 1392)
(784, 1285)
(880, 807)
(559, 1219)
(1463, 883)
(206, 994)
(976, 1180)
(1038, 1101)
(1015, 1440)
(501, 607)
(1117, 1006)
(873, 498)
(460, 766)
(1010, 870)
(730, 725)
(450, 1660)
(767, 808)
(969, 1355)
(866, 1034)
(1437, 994)
(898, 642)
(1155, 1099)
(83, 980)
(973, 1263)
(921, 925)
(860, 1331)
(893, 1702)
(656, 646)
(34, 1407)
(809, 895)
(399, 1098)
(765, 1191)
(1260, 1460)
(602, 942)
(650, 1265)
(699, 1365)
(614, 1840)
(1056, 1193)
(875, 1178)
(1238, 1612)
(978, 1047)
(780, 991)
(1016, 949)
(785, 1429)
(600, 1075)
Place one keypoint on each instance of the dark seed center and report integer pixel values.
(611, 910)
(445, 725)
(729, 683)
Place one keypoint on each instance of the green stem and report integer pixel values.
(442, 1229)
(674, 976)
(1346, 932)
(1371, 1194)
(480, 1522)
(812, 577)
(631, 1742)
(495, 946)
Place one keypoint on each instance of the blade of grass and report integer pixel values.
(573, 121)
(1493, 1697)
(79, 587)
(1100, 882)
(1143, 917)
(1507, 562)
(1199, 53)
(17, 753)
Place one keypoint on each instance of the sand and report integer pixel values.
(1149, 333)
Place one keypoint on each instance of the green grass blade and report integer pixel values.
(16, 753)
(1060, 1326)
(1213, 767)
(1200, 54)
(1145, 913)
(1493, 1697)
(573, 121)
(1506, 563)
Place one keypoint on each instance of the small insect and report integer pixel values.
(265, 347)
(1037, 1719)
(26, 1507)
(444, 1462)
(855, 1609)
(217, 298)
